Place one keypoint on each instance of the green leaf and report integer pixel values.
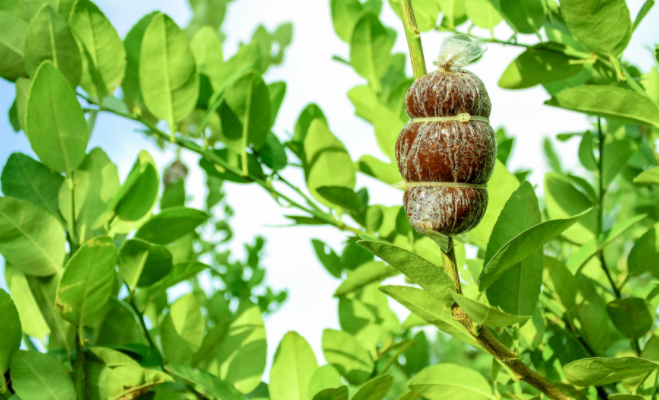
(427, 307)
(10, 330)
(517, 290)
(325, 377)
(13, 30)
(167, 71)
(330, 260)
(28, 179)
(16, 8)
(616, 155)
(328, 161)
(483, 314)
(36, 376)
(62, 334)
(142, 264)
(96, 183)
(375, 389)
(483, 13)
(503, 183)
(171, 224)
(365, 274)
(586, 155)
(344, 353)
(139, 193)
(207, 50)
(183, 329)
(31, 239)
(341, 196)
(453, 12)
(563, 200)
(56, 126)
(387, 173)
(207, 382)
(32, 321)
(239, 357)
(580, 257)
(524, 16)
(104, 50)
(277, 92)
(649, 177)
(179, 273)
(642, 13)
(608, 102)
(292, 370)
(461, 383)
(345, 14)
(602, 27)
(273, 153)
(48, 38)
(422, 272)
(370, 48)
(601, 371)
(131, 83)
(86, 285)
(537, 65)
(246, 113)
(340, 393)
(523, 245)
(632, 316)
(644, 256)
(120, 326)
(560, 280)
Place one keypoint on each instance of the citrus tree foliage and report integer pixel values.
(564, 282)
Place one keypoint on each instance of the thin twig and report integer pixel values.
(413, 39)
(145, 329)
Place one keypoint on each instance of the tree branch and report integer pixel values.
(413, 39)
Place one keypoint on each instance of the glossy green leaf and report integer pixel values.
(326, 255)
(608, 102)
(171, 224)
(649, 177)
(365, 274)
(104, 50)
(120, 326)
(340, 393)
(246, 113)
(563, 200)
(86, 285)
(387, 173)
(62, 334)
(422, 272)
(503, 183)
(345, 14)
(56, 126)
(538, 65)
(22, 92)
(602, 27)
(132, 94)
(182, 330)
(341, 196)
(293, 367)
(600, 371)
(517, 290)
(483, 314)
(450, 381)
(592, 247)
(586, 155)
(328, 161)
(31, 239)
(10, 330)
(453, 12)
(273, 153)
(12, 42)
(96, 183)
(28, 179)
(344, 353)
(208, 383)
(644, 256)
(559, 280)
(524, 16)
(207, 50)
(370, 48)
(523, 245)
(139, 193)
(325, 377)
(239, 357)
(178, 274)
(428, 308)
(616, 155)
(50, 39)
(17, 8)
(375, 389)
(32, 321)
(483, 13)
(167, 71)
(37, 376)
(632, 316)
(142, 264)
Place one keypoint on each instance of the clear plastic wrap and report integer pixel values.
(459, 50)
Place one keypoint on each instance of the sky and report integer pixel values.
(312, 76)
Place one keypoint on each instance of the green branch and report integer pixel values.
(413, 39)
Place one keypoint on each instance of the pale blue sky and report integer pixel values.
(313, 77)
